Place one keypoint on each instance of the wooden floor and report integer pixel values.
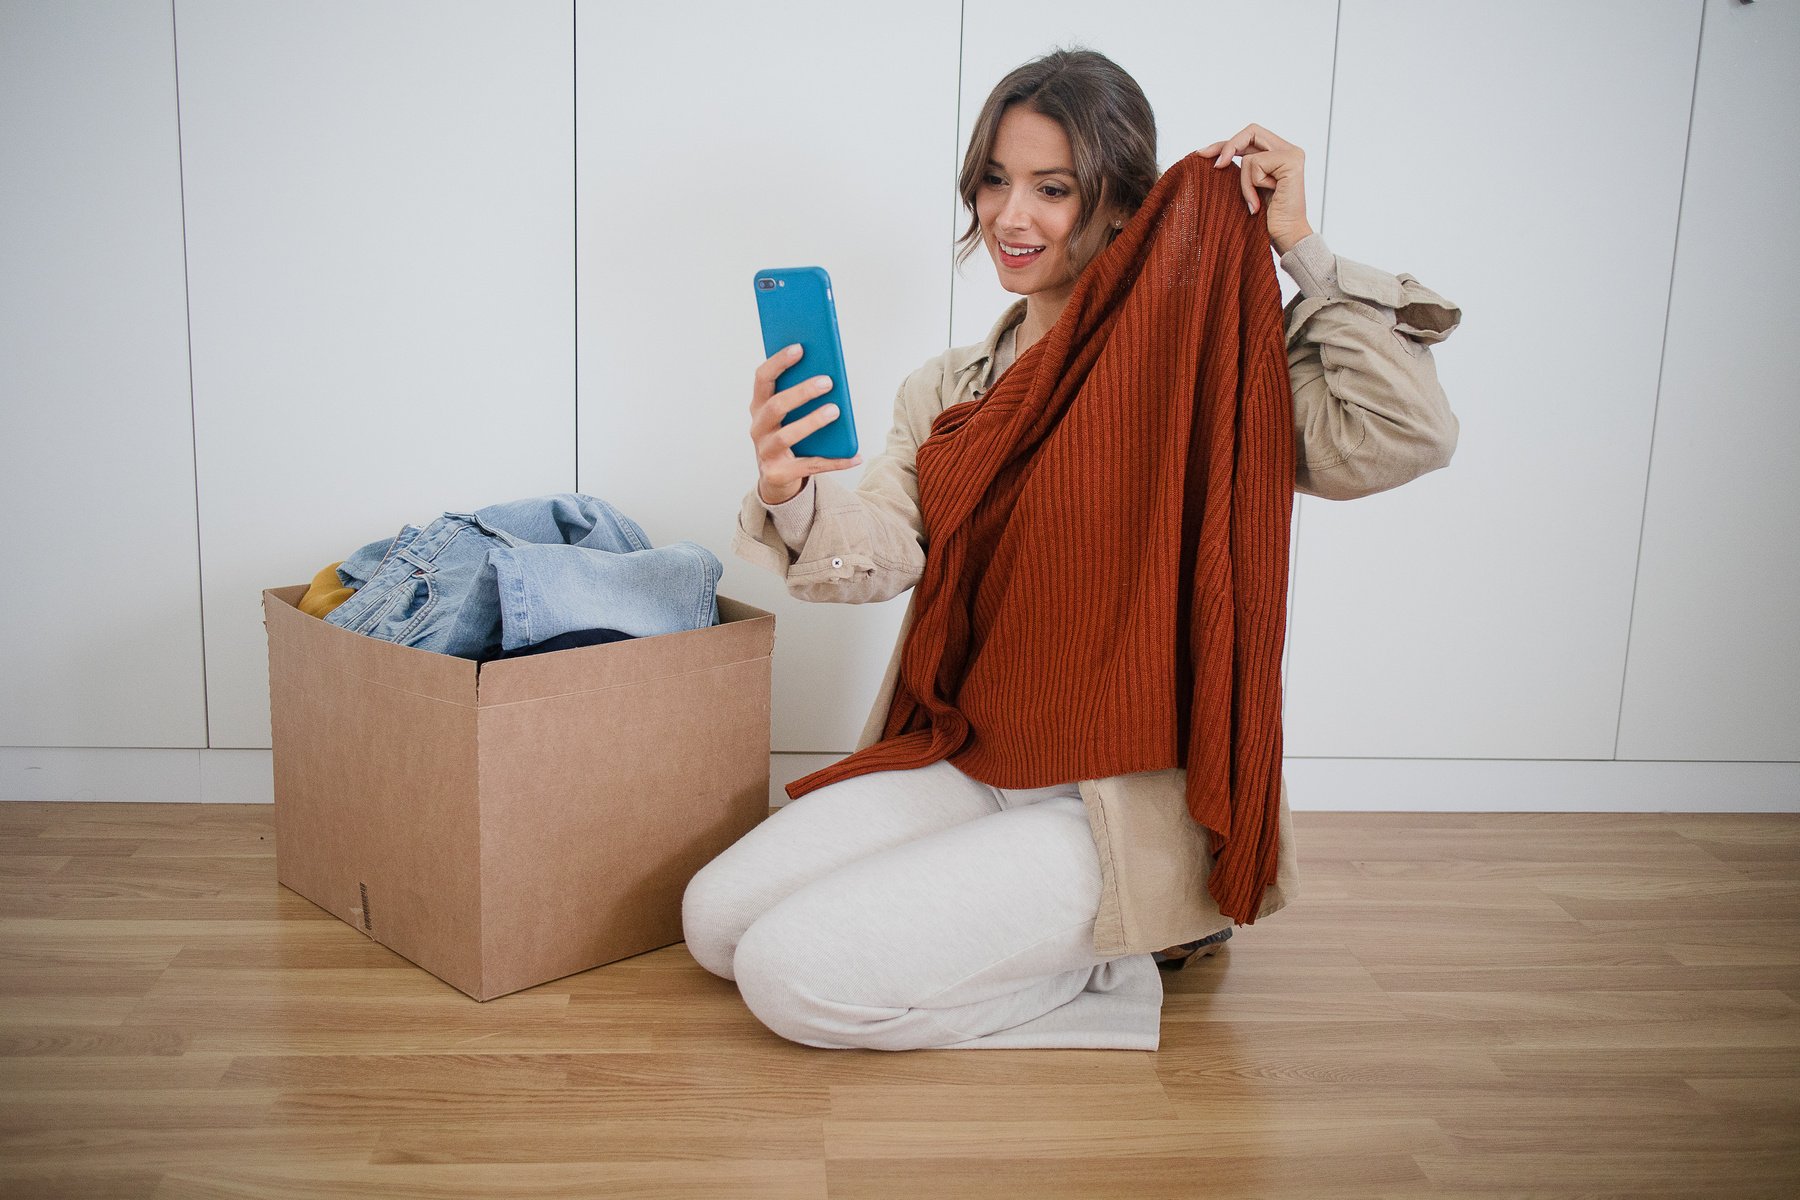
(1593, 1005)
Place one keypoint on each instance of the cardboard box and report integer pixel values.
(506, 823)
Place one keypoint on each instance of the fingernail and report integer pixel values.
(793, 349)
(828, 408)
(824, 382)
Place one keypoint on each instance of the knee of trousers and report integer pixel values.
(709, 920)
(788, 989)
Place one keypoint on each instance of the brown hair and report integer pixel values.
(1110, 128)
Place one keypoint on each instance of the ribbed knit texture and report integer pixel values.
(1105, 583)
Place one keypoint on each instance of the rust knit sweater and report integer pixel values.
(1105, 582)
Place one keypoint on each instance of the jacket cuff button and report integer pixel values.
(837, 562)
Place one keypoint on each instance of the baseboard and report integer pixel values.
(1539, 785)
(1340, 784)
(135, 774)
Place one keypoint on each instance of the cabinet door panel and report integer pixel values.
(787, 135)
(1715, 631)
(102, 611)
(380, 233)
(1481, 611)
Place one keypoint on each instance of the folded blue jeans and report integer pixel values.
(511, 575)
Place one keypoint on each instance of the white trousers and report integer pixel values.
(906, 910)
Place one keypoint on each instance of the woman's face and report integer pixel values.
(1027, 204)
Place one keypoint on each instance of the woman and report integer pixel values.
(918, 908)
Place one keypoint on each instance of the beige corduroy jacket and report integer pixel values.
(1369, 415)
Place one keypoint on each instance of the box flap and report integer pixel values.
(745, 632)
(736, 610)
(421, 672)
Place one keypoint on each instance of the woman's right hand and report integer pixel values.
(780, 473)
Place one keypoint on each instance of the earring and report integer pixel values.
(1118, 224)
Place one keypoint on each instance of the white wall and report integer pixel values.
(421, 256)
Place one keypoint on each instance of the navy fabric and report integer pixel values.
(568, 641)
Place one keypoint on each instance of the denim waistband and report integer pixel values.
(410, 565)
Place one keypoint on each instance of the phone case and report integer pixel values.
(795, 305)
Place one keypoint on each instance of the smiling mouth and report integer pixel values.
(1019, 253)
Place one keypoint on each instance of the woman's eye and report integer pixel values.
(1056, 193)
(991, 180)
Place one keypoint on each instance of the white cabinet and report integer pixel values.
(716, 140)
(380, 246)
(1714, 671)
(278, 278)
(101, 610)
(1525, 161)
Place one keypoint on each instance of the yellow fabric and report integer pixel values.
(326, 592)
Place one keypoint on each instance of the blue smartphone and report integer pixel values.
(795, 305)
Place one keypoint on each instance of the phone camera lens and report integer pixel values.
(766, 284)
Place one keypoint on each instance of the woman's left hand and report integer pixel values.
(1275, 166)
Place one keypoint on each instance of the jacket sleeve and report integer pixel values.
(833, 544)
(1369, 413)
